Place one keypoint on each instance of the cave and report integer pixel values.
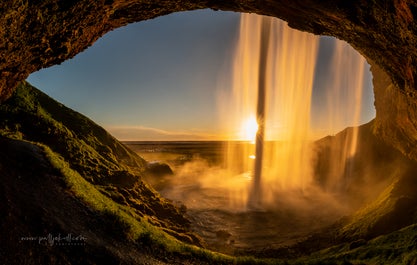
(38, 35)
(50, 32)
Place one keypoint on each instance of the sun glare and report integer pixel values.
(250, 127)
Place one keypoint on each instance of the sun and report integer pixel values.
(249, 128)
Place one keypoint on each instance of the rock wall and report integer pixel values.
(38, 34)
(396, 113)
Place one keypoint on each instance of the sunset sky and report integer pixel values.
(160, 79)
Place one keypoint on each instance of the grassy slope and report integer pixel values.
(90, 151)
(37, 200)
(399, 247)
(98, 191)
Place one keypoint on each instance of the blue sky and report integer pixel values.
(158, 79)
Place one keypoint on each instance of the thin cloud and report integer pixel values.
(143, 133)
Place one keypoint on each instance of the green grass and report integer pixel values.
(399, 247)
(92, 196)
(31, 115)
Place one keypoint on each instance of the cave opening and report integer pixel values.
(131, 109)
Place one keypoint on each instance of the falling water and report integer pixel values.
(343, 106)
(287, 158)
(273, 78)
(280, 65)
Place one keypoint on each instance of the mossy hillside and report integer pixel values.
(93, 152)
(90, 151)
(399, 247)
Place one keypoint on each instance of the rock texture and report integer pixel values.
(38, 34)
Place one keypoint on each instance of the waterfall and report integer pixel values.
(342, 105)
(273, 77)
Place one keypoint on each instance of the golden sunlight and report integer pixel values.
(250, 127)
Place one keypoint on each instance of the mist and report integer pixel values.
(217, 202)
(216, 197)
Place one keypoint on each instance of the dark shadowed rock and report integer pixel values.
(159, 175)
(158, 169)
